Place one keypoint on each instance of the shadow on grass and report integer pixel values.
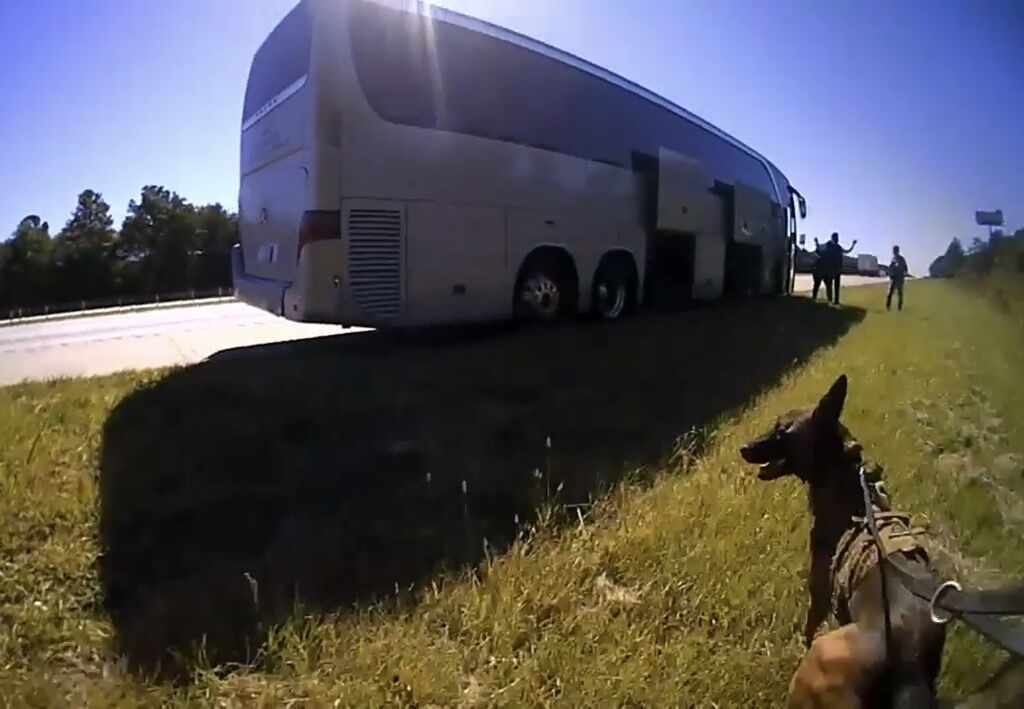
(329, 472)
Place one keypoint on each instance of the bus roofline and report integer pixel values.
(503, 33)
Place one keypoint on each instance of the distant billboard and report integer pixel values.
(989, 218)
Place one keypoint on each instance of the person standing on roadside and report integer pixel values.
(897, 274)
(834, 262)
(818, 273)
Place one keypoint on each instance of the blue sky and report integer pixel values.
(896, 119)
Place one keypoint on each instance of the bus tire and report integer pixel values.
(545, 289)
(613, 295)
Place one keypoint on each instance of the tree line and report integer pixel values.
(1000, 251)
(164, 245)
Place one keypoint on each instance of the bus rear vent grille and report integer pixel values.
(375, 260)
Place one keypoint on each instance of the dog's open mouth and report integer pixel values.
(765, 454)
(771, 470)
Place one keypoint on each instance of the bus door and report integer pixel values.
(797, 209)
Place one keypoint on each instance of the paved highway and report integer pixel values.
(804, 282)
(173, 335)
(102, 344)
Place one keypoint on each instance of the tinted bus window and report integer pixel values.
(282, 60)
(433, 74)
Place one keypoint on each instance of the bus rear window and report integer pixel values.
(282, 60)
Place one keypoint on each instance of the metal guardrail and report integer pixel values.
(80, 306)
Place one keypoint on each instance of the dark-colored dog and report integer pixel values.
(855, 665)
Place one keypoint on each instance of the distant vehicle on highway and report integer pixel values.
(804, 260)
(867, 265)
(863, 265)
(403, 165)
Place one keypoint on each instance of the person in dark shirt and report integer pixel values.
(897, 274)
(818, 273)
(834, 263)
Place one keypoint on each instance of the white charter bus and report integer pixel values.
(403, 166)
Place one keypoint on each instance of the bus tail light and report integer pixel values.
(318, 225)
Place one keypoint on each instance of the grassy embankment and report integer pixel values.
(334, 473)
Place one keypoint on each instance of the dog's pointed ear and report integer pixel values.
(830, 408)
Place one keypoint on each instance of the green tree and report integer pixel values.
(148, 221)
(217, 232)
(31, 244)
(26, 264)
(159, 235)
(88, 233)
(955, 252)
(217, 229)
(85, 248)
(165, 245)
(949, 263)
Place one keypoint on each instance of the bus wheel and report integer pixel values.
(614, 286)
(542, 294)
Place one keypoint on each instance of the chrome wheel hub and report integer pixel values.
(542, 296)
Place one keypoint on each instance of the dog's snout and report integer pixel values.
(747, 452)
(760, 450)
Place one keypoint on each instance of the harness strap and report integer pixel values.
(978, 609)
(869, 516)
(858, 552)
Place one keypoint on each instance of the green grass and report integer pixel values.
(264, 506)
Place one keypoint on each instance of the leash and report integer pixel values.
(869, 517)
(977, 609)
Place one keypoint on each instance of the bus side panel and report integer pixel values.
(616, 224)
(456, 263)
(577, 235)
(441, 174)
(590, 208)
(421, 164)
(709, 267)
(529, 229)
(602, 237)
(685, 202)
(271, 200)
(585, 237)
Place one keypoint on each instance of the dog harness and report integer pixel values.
(857, 553)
